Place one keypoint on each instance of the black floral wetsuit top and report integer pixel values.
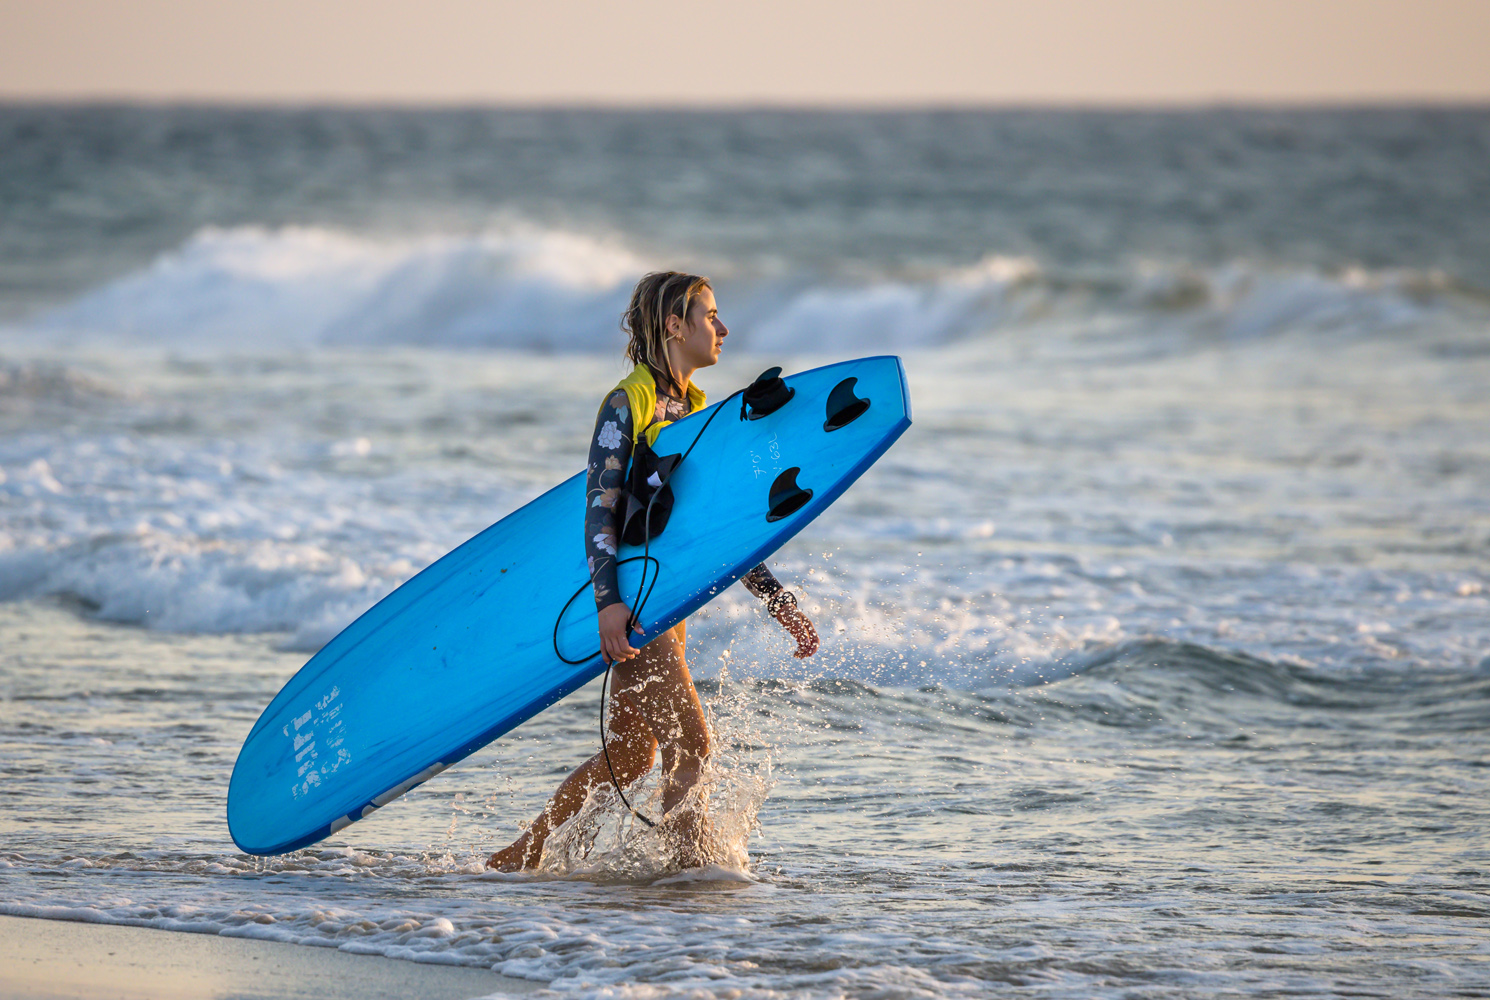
(610, 450)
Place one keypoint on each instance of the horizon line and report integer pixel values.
(371, 103)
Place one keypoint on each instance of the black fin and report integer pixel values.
(786, 496)
(844, 406)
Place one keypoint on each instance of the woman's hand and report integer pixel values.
(614, 642)
(800, 626)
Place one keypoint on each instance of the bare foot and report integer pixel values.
(517, 856)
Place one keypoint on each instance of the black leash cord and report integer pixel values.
(642, 594)
(606, 750)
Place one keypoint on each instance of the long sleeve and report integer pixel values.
(762, 583)
(610, 450)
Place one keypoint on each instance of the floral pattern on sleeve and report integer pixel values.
(605, 476)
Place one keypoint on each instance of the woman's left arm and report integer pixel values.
(781, 604)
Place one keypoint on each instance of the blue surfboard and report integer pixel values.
(465, 650)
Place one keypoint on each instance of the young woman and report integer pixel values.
(675, 330)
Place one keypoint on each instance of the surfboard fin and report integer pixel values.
(786, 496)
(844, 405)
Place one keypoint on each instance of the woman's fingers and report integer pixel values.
(618, 647)
(614, 619)
(799, 626)
(806, 640)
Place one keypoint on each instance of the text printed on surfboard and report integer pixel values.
(309, 750)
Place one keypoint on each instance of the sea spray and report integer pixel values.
(604, 840)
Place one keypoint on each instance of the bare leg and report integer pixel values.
(653, 702)
(632, 750)
(661, 688)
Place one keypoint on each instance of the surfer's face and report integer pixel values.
(700, 339)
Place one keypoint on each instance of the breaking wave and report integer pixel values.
(529, 288)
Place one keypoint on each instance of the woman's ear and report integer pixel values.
(674, 327)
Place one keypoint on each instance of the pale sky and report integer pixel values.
(774, 52)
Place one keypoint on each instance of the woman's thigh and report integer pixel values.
(656, 685)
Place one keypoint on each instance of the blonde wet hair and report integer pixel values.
(656, 297)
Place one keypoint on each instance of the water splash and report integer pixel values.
(712, 824)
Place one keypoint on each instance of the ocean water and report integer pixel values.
(1156, 654)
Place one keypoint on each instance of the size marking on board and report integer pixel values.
(773, 451)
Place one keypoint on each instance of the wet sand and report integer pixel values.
(50, 959)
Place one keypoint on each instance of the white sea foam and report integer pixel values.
(530, 288)
(898, 314)
(251, 288)
(185, 537)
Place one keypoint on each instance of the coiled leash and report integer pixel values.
(767, 394)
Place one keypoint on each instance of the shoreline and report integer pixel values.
(44, 959)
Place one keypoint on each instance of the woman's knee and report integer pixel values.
(632, 759)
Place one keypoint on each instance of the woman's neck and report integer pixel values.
(663, 381)
(682, 372)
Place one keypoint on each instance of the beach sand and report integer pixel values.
(48, 959)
